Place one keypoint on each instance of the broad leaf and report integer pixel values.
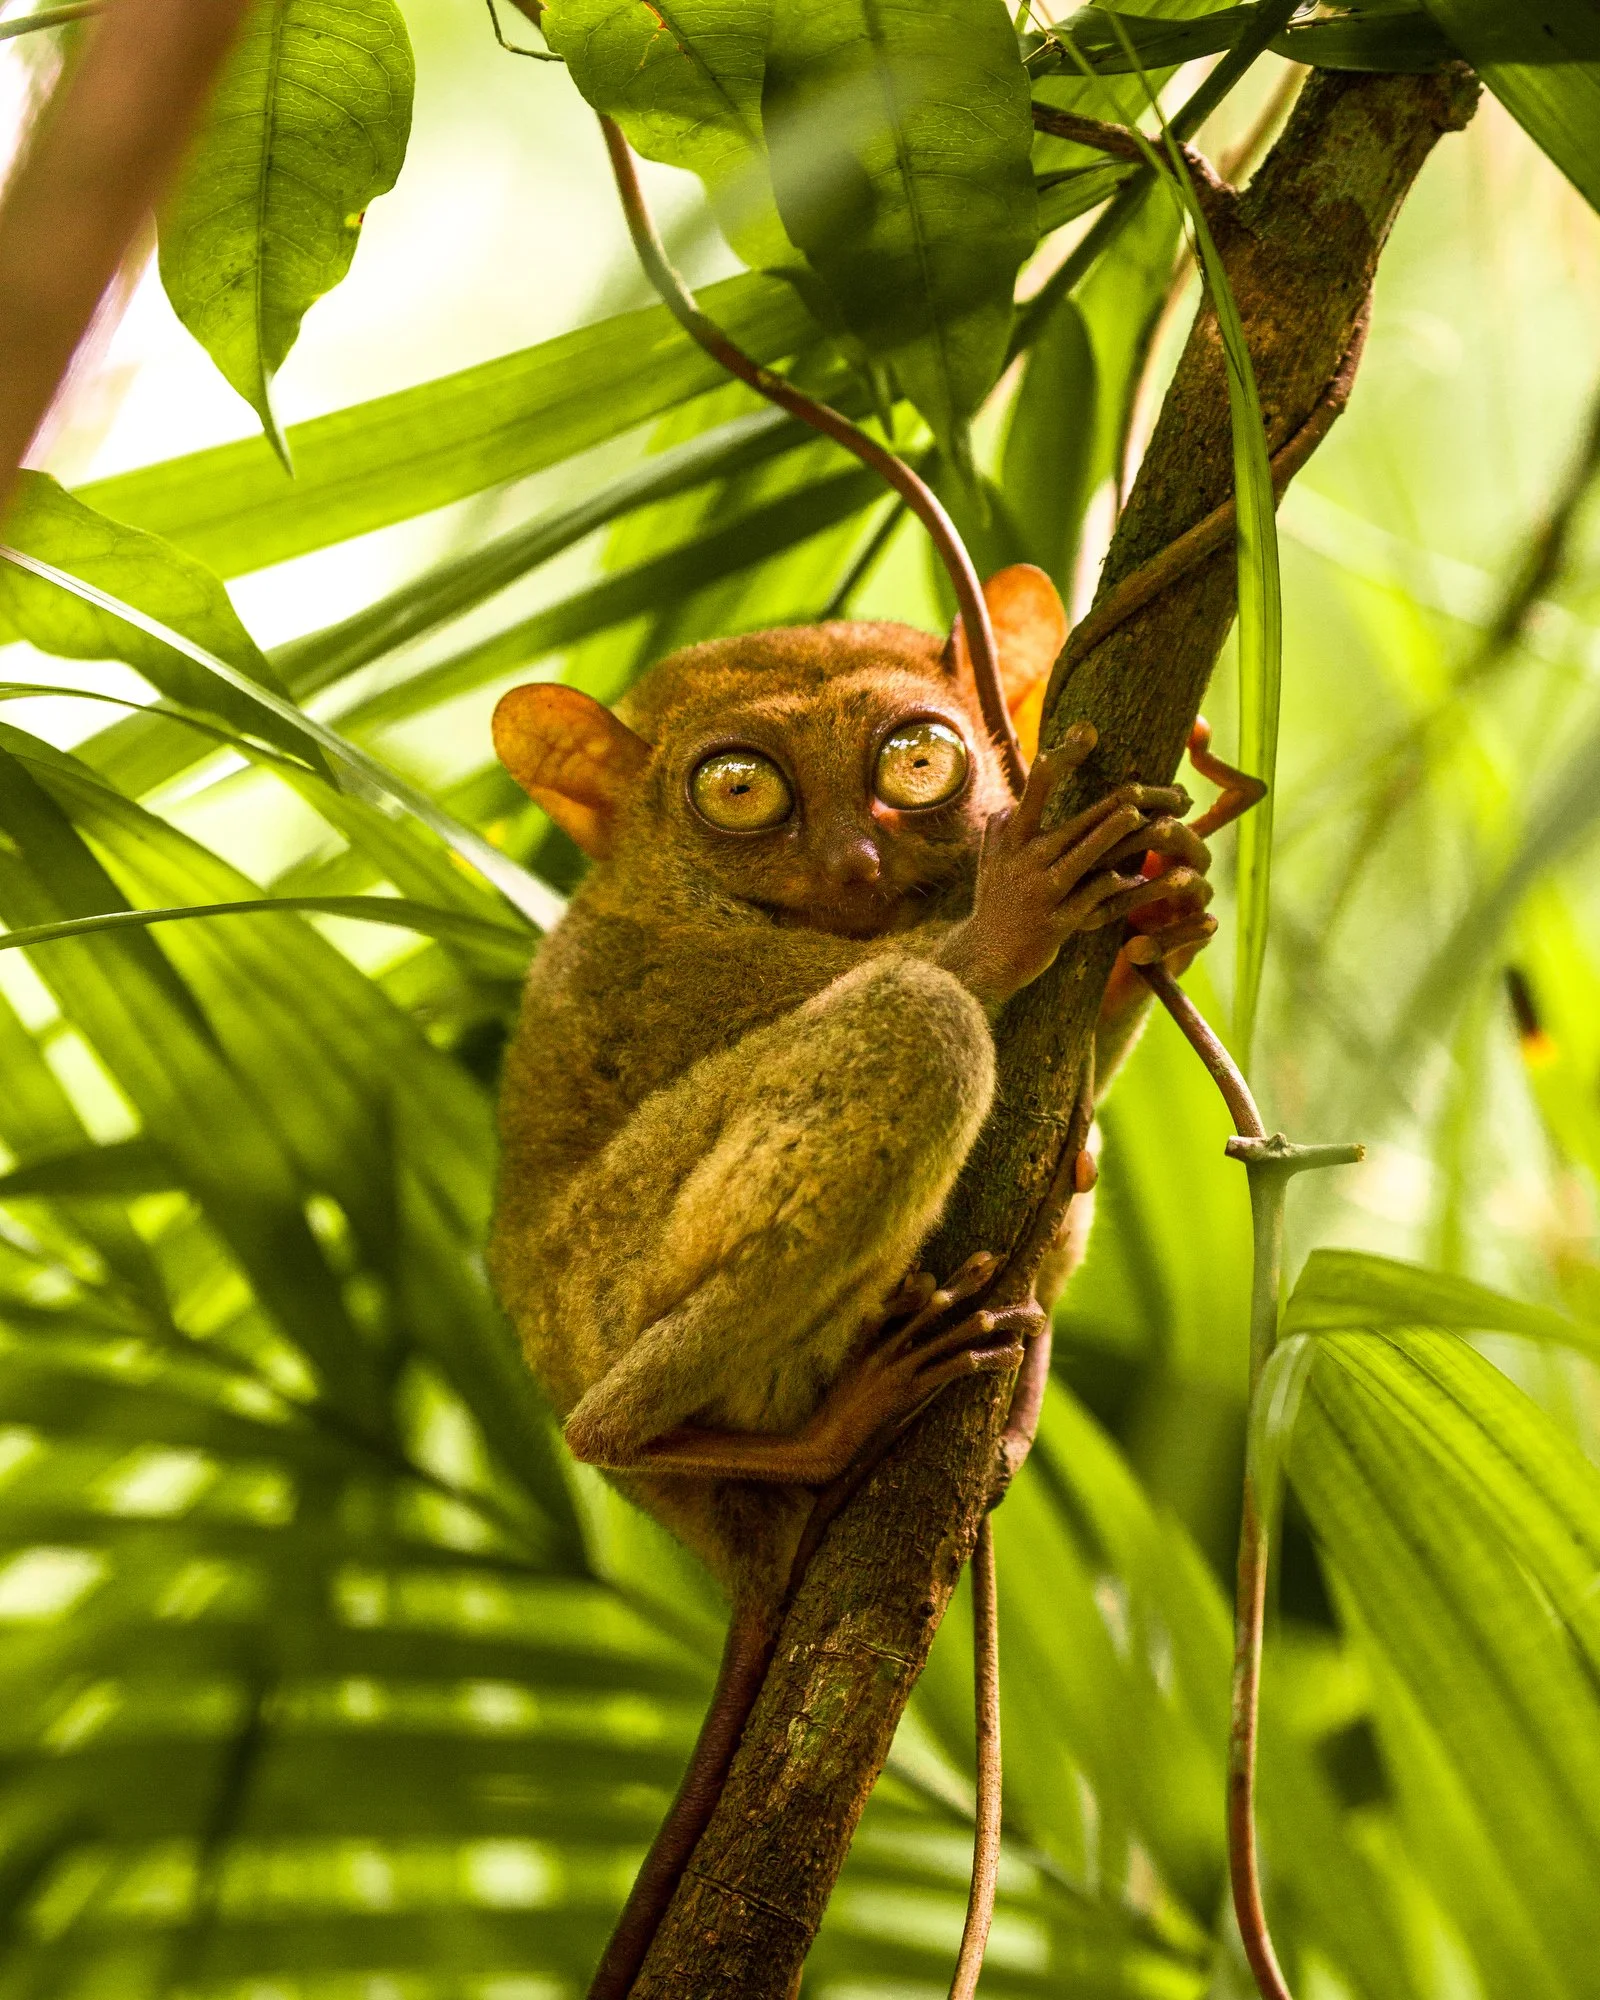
(308, 125)
(1464, 1531)
(374, 463)
(147, 572)
(897, 143)
(901, 141)
(1351, 1288)
(685, 84)
(1556, 97)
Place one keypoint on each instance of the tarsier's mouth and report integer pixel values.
(860, 916)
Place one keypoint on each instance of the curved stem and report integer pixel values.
(1195, 544)
(916, 493)
(1271, 1164)
(986, 1699)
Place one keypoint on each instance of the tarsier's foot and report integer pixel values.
(920, 1345)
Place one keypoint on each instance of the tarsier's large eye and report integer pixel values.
(741, 791)
(921, 763)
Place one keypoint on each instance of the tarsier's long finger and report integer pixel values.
(1239, 790)
(1089, 853)
(972, 1276)
(1149, 947)
(1080, 911)
(1145, 799)
(1047, 771)
(1182, 886)
(980, 1333)
(1173, 840)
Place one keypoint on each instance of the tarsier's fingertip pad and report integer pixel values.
(1085, 1172)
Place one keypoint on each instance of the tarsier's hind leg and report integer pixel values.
(792, 1179)
(835, 1139)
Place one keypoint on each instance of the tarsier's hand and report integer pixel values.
(1035, 888)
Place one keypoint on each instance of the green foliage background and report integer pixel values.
(322, 1673)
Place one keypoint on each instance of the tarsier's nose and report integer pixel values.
(849, 858)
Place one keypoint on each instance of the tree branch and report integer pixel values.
(1301, 251)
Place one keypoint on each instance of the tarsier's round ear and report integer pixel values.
(570, 756)
(1030, 628)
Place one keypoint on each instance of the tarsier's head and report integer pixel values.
(835, 776)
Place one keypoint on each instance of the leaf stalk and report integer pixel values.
(1271, 1163)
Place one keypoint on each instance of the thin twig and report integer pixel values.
(918, 496)
(49, 17)
(511, 48)
(1099, 133)
(1270, 1163)
(1123, 143)
(864, 563)
(986, 1706)
(1191, 548)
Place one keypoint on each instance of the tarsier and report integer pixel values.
(754, 1056)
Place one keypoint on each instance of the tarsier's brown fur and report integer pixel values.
(750, 1065)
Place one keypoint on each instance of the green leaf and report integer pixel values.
(1046, 464)
(1260, 584)
(398, 456)
(525, 892)
(451, 588)
(1556, 100)
(651, 586)
(148, 573)
(455, 925)
(1402, 40)
(1464, 1531)
(308, 125)
(1352, 1288)
(901, 142)
(897, 142)
(132, 1166)
(685, 84)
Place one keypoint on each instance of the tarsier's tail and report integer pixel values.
(745, 1658)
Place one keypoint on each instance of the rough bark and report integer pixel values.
(1301, 246)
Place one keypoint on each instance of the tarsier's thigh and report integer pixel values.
(801, 1167)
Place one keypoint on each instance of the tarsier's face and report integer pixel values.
(833, 776)
(843, 807)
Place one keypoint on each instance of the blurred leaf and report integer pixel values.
(900, 147)
(1046, 468)
(144, 1024)
(46, 522)
(1465, 1532)
(451, 588)
(306, 127)
(655, 585)
(1555, 99)
(524, 892)
(398, 456)
(456, 925)
(1350, 1288)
